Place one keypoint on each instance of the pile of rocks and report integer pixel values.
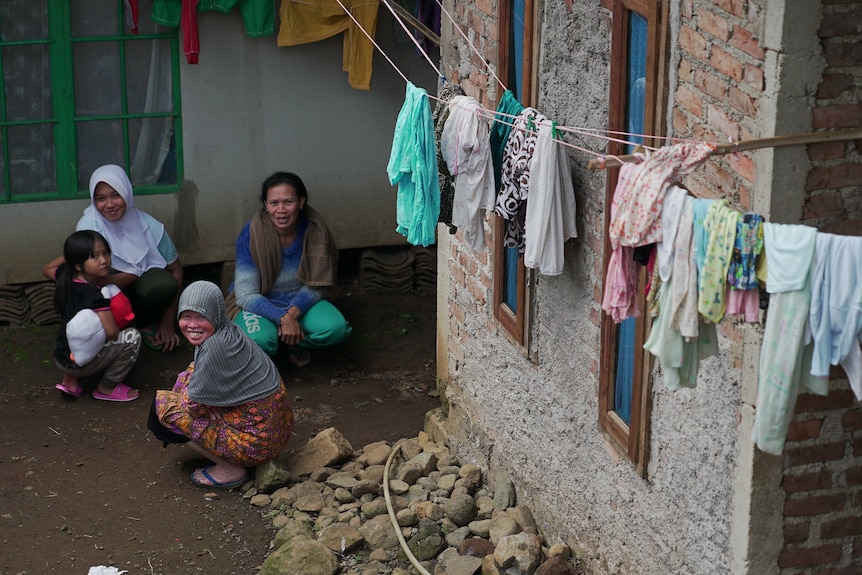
(331, 513)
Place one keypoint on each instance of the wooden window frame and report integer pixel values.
(632, 439)
(65, 120)
(514, 322)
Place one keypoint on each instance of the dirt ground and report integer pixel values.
(83, 483)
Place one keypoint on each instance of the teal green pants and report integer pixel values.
(323, 325)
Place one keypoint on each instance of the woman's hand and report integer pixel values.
(167, 336)
(289, 331)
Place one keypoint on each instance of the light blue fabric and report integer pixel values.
(413, 167)
(701, 235)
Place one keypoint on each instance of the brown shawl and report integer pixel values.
(318, 265)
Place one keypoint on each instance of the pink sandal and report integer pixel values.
(65, 389)
(121, 392)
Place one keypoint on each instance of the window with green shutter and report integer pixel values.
(80, 89)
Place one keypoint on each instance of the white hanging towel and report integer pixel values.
(465, 146)
(550, 218)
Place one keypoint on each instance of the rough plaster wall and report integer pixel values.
(538, 422)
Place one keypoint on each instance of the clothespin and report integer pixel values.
(530, 125)
(554, 134)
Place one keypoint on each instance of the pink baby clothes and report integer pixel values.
(744, 302)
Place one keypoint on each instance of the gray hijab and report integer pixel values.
(230, 369)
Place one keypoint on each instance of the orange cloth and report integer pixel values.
(305, 21)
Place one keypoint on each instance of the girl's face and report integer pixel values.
(109, 202)
(98, 265)
(283, 205)
(195, 327)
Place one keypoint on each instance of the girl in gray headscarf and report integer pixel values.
(230, 405)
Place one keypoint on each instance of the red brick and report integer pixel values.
(487, 7)
(837, 399)
(726, 63)
(826, 151)
(796, 532)
(710, 84)
(807, 556)
(743, 102)
(817, 453)
(854, 476)
(689, 100)
(723, 124)
(823, 205)
(734, 7)
(807, 481)
(680, 122)
(744, 197)
(713, 24)
(686, 10)
(684, 71)
(804, 430)
(726, 185)
(753, 76)
(833, 85)
(844, 527)
(837, 116)
(852, 420)
(842, 53)
(840, 24)
(745, 41)
(743, 165)
(844, 228)
(693, 43)
(832, 177)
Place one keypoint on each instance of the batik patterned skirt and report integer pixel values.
(247, 434)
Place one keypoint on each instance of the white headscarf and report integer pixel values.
(133, 249)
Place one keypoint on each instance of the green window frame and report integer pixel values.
(79, 89)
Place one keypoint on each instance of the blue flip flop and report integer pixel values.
(215, 484)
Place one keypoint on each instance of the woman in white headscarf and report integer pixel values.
(230, 405)
(146, 265)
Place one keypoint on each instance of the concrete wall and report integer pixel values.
(711, 502)
(250, 108)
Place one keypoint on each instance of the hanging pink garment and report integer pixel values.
(620, 298)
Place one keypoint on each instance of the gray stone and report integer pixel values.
(455, 538)
(364, 486)
(460, 508)
(342, 495)
(426, 460)
(311, 503)
(429, 510)
(406, 518)
(282, 498)
(260, 500)
(323, 521)
(379, 533)
(300, 556)
(556, 566)
(270, 476)
(326, 448)
(427, 542)
(447, 481)
(410, 448)
(340, 537)
(524, 516)
(321, 474)
(490, 567)
(379, 555)
(341, 479)
(378, 455)
(560, 550)
(462, 565)
(523, 551)
(290, 530)
(374, 508)
(481, 528)
(398, 487)
(500, 527)
(372, 472)
(486, 507)
(280, 521)
(409, 472)
(306, 488)
(471, 473)
(504, 493)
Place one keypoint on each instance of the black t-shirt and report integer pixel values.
(79, 295)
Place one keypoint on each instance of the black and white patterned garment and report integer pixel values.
(447, 187)
(515, 176)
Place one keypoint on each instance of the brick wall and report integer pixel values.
(823, 456)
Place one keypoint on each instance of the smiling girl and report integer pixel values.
(86, 262)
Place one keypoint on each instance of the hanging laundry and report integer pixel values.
(836, 315)
(720, 224)
(258, 18)
(181, 13)
(413, 167)
(428, 13)
(447, 182)
(680, 357)
(701, 236)
(638, 218)
(671, 213)
(550, 217)
(466, 149)
(515, 176)
(785, 353)
(684, 316)
(620, 299)
(500, 130)
(131, 11)
(743, 288)
(306, 21)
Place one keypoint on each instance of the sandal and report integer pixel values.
(70, 393)
(121, 392)
(298, 357)
(148, 336)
